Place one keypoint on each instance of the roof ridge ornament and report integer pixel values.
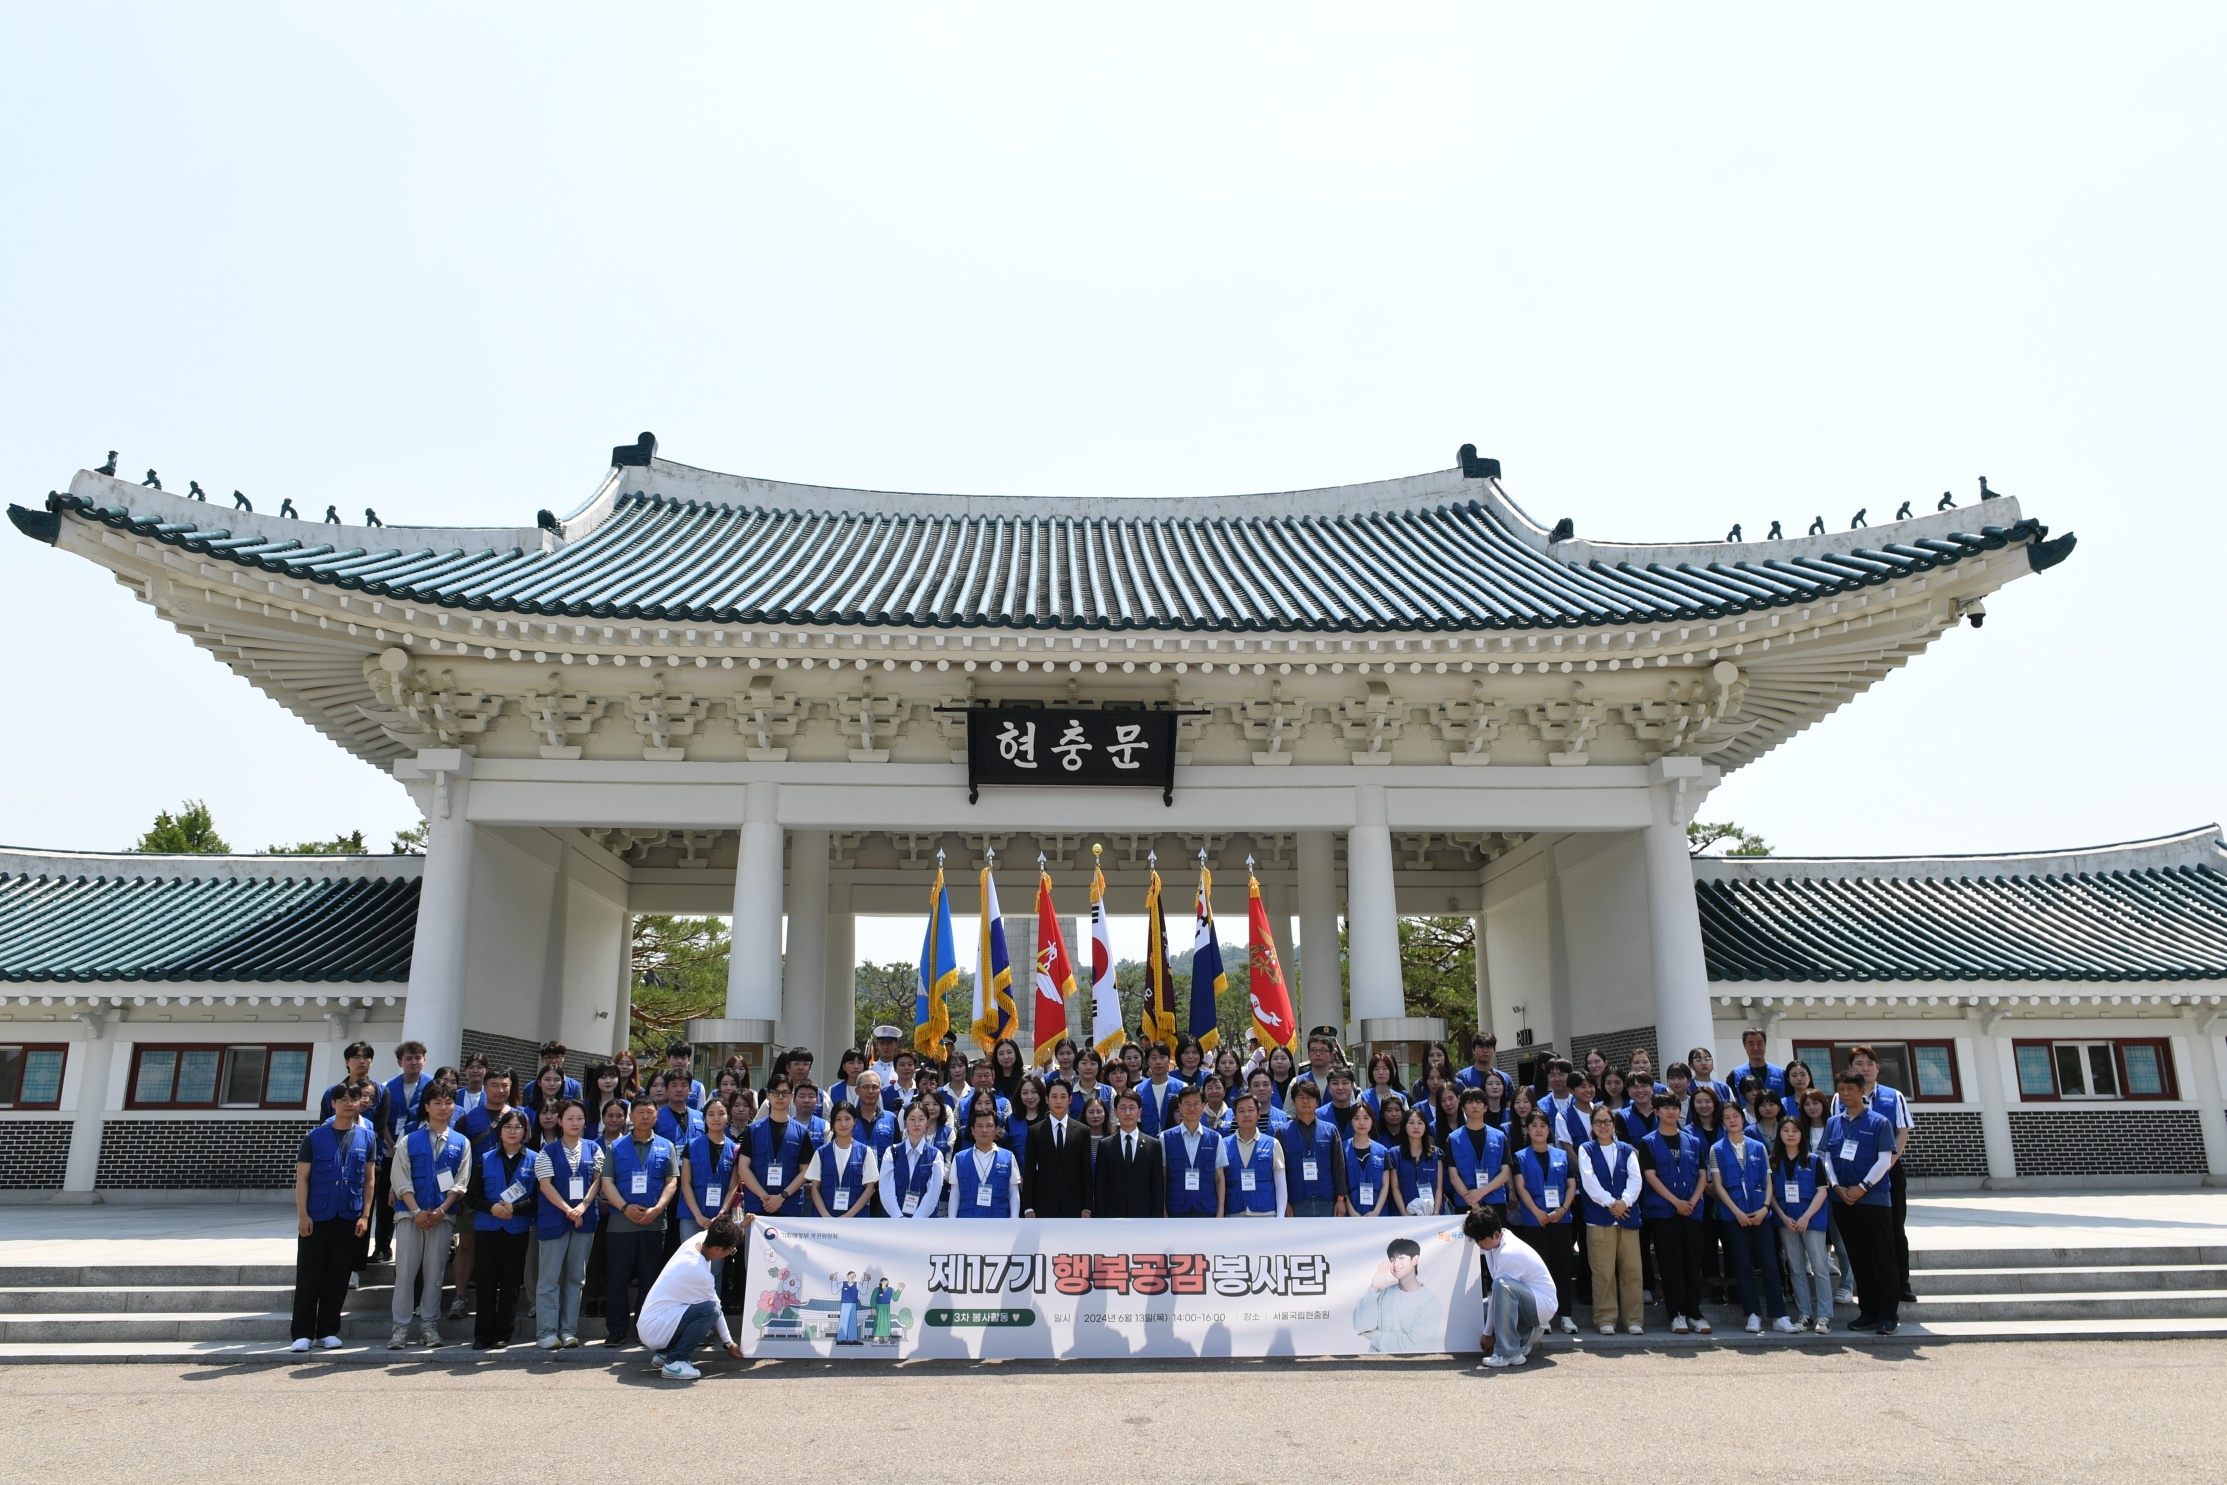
(1474, 468)
(636, 455)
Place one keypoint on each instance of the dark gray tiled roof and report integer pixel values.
(1453, 565)
(166, 925)
(2150, 911)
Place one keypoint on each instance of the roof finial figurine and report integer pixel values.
(1903, 513)
(1948, 501)
(1858, 518)
(241, 502)
(1986, 493)
(1817, 526)
(1776, 533)
(1734, 533)
(152, 479)
(1564, 529)
(371, 517)
(332, 515)
(109, 468)
(193, 488)
(286, 509)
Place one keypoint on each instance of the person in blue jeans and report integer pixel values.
(569, 1172)
(1519, 1292)
(1740, 1177)
(682, 1309)
(1798, 1190)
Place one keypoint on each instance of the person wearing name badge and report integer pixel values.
(1418, 1169)
(1367, 1167)
(1889, 1104)
(477, 1125)
(845, 1172)
(1253, 1164)
(1541, 1210)
(1055, 1161)
(1798, 1190)
(1157, 1093)
(1705, 1118)
(682, 1308)
(1859, 1152)
(912, 1178)
(985, 1178)
(707, 1173)
(1127, 1167)
(1670, 1164)
(845, 1087)
(503, 1205)
(1216, 1113)
(1740, 1176)
(432, 1176)
(1339, 1109)
(677, 1119)
(1521, 1295)
(775, 1154)
(398, 1115)
(981, 1092)
(335, 1180)
(1608, 1170)
(1314, 1163)
(641, 1179)
(1263, 1088)
(1477, 1155)
(1192, 1155)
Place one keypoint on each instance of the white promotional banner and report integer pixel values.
(878, 1290)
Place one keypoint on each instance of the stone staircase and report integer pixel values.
(185, 1312)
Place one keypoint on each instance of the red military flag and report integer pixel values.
(1055, 976)
(1273, 1023)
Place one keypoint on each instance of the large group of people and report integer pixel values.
(1592, 1186)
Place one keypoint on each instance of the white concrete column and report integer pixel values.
(1372, 911)
(1987, 1082)
(1682, 1019)
(841, 1007)
(434, 1013)
(93, 1056)
(2204, 1091)
(1321, 980)
(622, 1003)
(1484, 988)
(804, 970)
(754, 961)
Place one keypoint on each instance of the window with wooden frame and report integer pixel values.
(31, 1075)
(1922, 1071)
(212, 1075)
(2094, 1069)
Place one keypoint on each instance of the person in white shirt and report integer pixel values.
(1243, 1154)
(1519, 1298)
(844, 1171)
(682, 1307)
(912, 1176)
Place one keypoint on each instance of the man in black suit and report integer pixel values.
(1055, 1178)
(1131, 1181)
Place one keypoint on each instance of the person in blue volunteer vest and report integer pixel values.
(335, 1177)
(1542, 1210)
(1156, 1107)
(844, 1089)
(398, 1115)
(1192, 1155)
(1087, 1064)
(677, 1118)
(1263, 1088)
(1859, 1152)
(707, 1174)
(985, 1178)
(775, 1154)
(1255, 1174)
(1608, 1170)
(1759, 1067)
(982, 1090)
(1798, 1190)
(1740, 1177)
(568, 1172)
(1028, 1107)
(680, 1062)
(1477, 1155)
(432, 1178)
(807, 1109)
(641, 1178)
(1214, 1109)
(1891, 1106)
(1671, 1160)
(1419, 1166)
(477, 1124)
(1314, 1163)
(1367, 1166)
(878, 1125)
(845, 1171)
(1573, 1117)
(1383, 1083)
(912, 1178)
(503, 1221)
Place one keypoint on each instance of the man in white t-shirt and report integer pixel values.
(682, 1309)
(1519, 1291)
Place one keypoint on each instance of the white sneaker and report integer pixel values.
(1678, 1325)
(547, 1343)
(679, 1371)
(1844, 1296)
(1703, 1327)
(572, 1343)
(1498, 1360)
(1755, 1325)
(1824, 1326)
(1608, 1330)
(399, 1339)
(1635, 1328)
(301, 1343)
(331, 1343)
(1569, 1326)
(1783, 1325)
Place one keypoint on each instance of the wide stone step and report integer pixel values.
(158, 1325)
(2125, 1278)
(2148, 1304)
(150, 1275)
(2131, 1256)
(164, 1300)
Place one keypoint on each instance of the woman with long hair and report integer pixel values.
(630, 1076)
(1029, 1105)
(1541, 1208)
(1368, 1190)
(547, 1090)
(1094, 1117)
(1798, 1201)
(1705, 1118)
(1384, 1080)
(1007, 1068)
(1230, 1068)
(1420, 1190)
(1281, 1070)
(847, 1068)
(1435, 1060)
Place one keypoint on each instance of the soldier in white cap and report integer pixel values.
(885, 1050)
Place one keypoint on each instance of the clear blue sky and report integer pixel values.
(1676, 267)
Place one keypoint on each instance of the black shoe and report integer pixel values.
(479, 1345)
(1909, 1297)
(1889, 1327)
(1866, 1326)
(618, 1342)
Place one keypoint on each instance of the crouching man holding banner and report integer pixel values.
(1519, 1299)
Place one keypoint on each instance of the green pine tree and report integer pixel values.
(190, 832)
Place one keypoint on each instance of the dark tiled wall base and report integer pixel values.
(1948, 1144)
(200, 1154)
(519, 1054)
(1618, 1046)
(2118, 1142)
(34, 1154)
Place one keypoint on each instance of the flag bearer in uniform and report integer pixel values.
(1258, 1159)
(985, 1179)
(432, 1177)
(335, 1177)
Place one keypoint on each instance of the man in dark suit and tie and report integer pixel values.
(1055, 1178)
(1131, 1181)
